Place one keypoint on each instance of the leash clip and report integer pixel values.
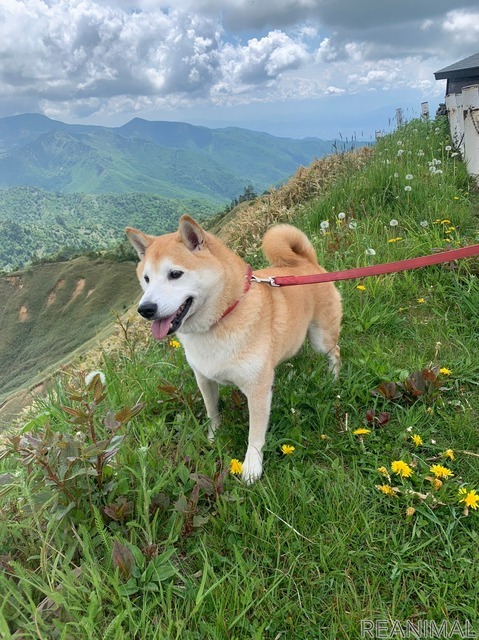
(269, 280)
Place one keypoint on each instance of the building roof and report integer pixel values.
(462, 69)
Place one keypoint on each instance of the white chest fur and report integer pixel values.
(224, 361)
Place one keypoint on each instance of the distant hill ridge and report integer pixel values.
(55, 308)
(173, 159)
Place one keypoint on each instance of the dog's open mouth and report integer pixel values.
(166, 326)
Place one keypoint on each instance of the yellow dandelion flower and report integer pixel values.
(323, 436)
(175, 344)
(383, 471)
(287, 449)
(417, 439)
(361, 287)
(445, 371)
(392, 240)
(445, 221)
(410, 511)
(401, 468)
(450, 229)
(448, 453)
(236, 467)
(386, 489)
(361, 431)
(421, 300)
(441, 472)
(470, 498)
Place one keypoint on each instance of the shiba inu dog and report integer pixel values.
(235, 331)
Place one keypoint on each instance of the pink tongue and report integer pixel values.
(160, 328)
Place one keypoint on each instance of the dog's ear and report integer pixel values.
(139, 240)
(191, 234)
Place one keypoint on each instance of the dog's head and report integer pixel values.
(177, 273)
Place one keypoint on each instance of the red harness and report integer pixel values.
(247, 284)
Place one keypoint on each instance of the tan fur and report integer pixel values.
(267, 326)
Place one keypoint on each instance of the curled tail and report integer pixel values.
(286, 246)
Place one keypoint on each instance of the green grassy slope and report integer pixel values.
(42, 321)
(148, 535)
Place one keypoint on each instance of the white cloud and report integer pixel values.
(78, 58)
(463, 26)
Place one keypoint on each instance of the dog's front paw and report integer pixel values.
(252, 466)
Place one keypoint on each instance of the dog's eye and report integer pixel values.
(147, 279)
(175, 274)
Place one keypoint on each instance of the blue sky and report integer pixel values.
(292, 68)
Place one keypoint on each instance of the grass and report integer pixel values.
(46, 296)
(163, 542)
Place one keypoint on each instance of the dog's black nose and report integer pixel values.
(148, 310)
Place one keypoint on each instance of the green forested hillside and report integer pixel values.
(105, 162)
(36, 223)
(173, 159)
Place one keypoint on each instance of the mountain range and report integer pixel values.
(172, 159)
(66, 188)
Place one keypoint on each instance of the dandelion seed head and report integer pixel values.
(407, 188)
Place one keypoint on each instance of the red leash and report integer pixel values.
(373, 270)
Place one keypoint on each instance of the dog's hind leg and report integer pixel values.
(210, 392)
(325, 341)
